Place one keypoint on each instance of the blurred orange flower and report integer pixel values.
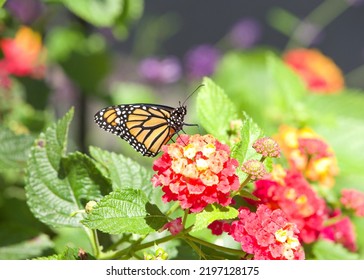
(24, 55)
(308, 153)
(319, 72)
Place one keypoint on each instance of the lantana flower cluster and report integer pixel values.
(309, 154)
(267, 234)
(290, 192)
(196, 171)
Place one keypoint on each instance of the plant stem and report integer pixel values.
(216, 247)
(320, 17)
(137, 247)
(94, 240)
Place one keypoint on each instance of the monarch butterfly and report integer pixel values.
(146, 127)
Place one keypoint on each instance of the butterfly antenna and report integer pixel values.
(192, 93)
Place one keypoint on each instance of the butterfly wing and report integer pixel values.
(146, 127)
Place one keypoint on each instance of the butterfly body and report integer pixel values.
(146, 127)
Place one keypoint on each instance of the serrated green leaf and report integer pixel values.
(215, 110)
(14, 149)
(96, 12)
(250, 132)
(122, 171)
(326, 250)
(57, 186)
(212, 213)
(125, 211)
(26, 249)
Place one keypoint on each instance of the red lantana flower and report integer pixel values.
(354, 200)
(196, 171)
(319, 72)
(267, 234)
(24, 55)
(298, 201)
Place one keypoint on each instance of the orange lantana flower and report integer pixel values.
(319, 72)
(308, 153)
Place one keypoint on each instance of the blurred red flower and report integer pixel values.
(319, 72)
(24, 55)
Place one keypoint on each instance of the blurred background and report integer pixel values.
(158, 51)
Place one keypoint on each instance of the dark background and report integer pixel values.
(207, 21)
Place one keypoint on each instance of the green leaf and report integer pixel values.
(67, 254)
(87, 70)
(2, 2)
(326, 250)
(212, 213)
(215, 110)
(96, 12)
(260, 84)
(122, 171)
(57, 186)
(127, 210)
(26, 249)
(14, 149)
(243, 150)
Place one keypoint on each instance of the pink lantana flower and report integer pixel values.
(267, 234)
(295, 197)
(196, 171)
(341, 231)
(354, 200)
(174, 226)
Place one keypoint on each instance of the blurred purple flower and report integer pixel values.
(160, 71)
(201, 61)
(26, 11)
(245, 33)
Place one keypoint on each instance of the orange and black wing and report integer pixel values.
(146, 127)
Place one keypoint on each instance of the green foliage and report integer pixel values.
(212, 213)
(99, 13)
(261, 85)
(14, 149)
(326, 250)
(126, 210)
(123, 172)
(215, 110)
(67, 254)
(59, 185)
(26, 249)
